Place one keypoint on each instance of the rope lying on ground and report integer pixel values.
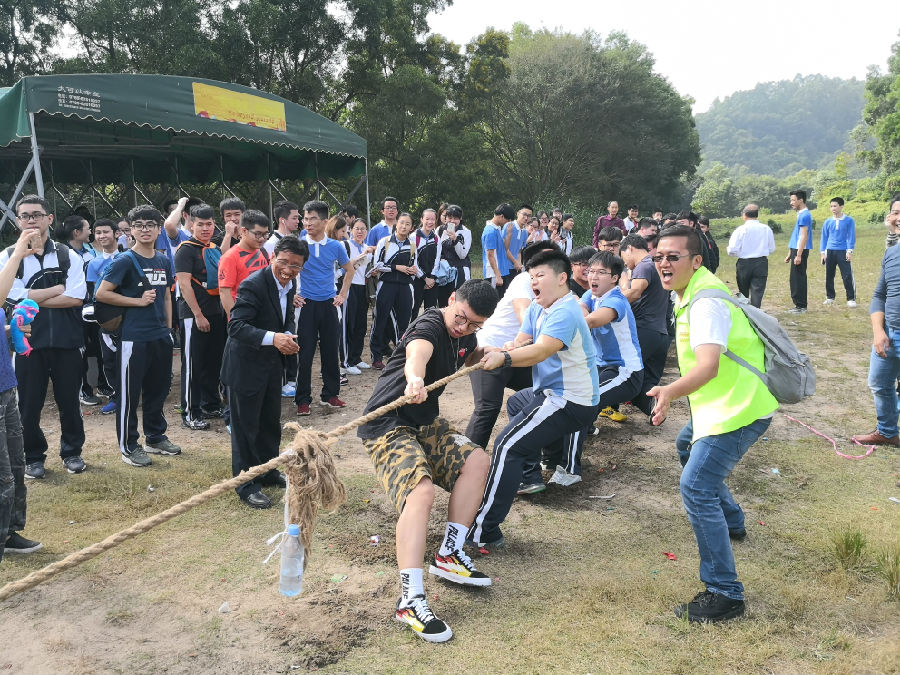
(318, 483)
(871, 448)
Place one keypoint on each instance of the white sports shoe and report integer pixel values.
(289, 390)
(353, 370)
(362, 365)
(563, 477)
(828, 301)
(851, 303)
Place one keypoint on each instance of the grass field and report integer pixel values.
(583, 586)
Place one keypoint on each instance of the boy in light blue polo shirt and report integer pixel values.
(494, 263)
(557, 412)
(608, 313)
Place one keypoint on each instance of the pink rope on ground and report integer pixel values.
(833, 442)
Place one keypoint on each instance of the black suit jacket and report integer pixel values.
(247, 365)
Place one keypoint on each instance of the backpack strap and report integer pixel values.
(719, 294)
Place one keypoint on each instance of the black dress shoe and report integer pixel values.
(257, 500)
(279, 481)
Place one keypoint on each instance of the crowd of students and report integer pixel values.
(573, 331)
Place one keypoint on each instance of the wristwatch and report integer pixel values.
(507, 359)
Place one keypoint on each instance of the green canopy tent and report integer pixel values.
(136, 130)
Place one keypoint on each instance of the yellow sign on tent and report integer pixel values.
(218, 103)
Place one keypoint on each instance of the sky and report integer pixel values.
(709, 49)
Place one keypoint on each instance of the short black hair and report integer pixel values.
(479, 295)
(72, 224)
(317, 206)
(283, 209)
(454, 211)
(799, 194)
(202, 212)
(837, 200)
(351, 211)
(895, 198)
(390, 199)
(634, 241)
(689, 216)
(582, 254)
(526, 206)
(33, 199)
(703, 220)
(693, 239)
(251, 218)
(534, 248)
(633, 206)
(568, 216)
(554, 259)
(292, 244)
(231, 204)
(145, 212)
(647, 222)
(609, 234)
(610, 261)
(505, 210)
(105, 222)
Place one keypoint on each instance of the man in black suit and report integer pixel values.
(260, 336)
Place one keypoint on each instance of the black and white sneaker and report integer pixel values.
(194, 425)
(418, 616)
(16, 543)
(709, 607)
(458, 568)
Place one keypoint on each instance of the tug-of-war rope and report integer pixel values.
(313, 484)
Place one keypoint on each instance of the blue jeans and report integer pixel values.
(883, 372)
(708, 502)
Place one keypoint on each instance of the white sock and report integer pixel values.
(411, 584)
(454, 538)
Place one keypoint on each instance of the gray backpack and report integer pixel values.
(789, 374)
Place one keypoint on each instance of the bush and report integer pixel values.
(849, 544)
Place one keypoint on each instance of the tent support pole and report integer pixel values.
(8, 212)
(353, 191)
(93, 189)
(318, 182)
(134, 187)
(269, 183)
(368, 201)
(53, 185)
(36, 156)
(322, 186)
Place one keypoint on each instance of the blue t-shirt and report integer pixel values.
(838, 235)
(166, 245)
(492, 240)
(804, 219)
(617, 342)
(7, 373)
(377, 233)
(317, 275)
(95, 270)
(516, 241)
(142, 324)
(572, 371)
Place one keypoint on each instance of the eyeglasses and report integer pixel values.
(282, 263)
(608, 247)
(672, 257)
(259, 235)
(463, 320)
(579, 264)
(31, 216)
(599, 272)
(143, 226)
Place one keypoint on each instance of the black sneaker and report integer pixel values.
(16, 543)
(458, 568)
(737, 535)
(163, 447)
(195, 425)
(708, 607)
(106, 392)
(74, 464)
(88, 399)
(35, 470)
(211, 414)
(418, 616)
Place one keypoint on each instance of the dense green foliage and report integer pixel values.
(882, 122)
(779, 128)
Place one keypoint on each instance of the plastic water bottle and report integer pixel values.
(292, 556)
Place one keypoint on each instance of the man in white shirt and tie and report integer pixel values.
(752, 243)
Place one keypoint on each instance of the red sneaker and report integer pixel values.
(333, 402)
(303, 410)
(378, 365)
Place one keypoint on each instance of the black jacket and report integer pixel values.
(247, 364)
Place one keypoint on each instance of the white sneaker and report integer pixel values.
(828, 301)
(563, 477)
(343, 371)
(353, 370)
(851, 303)
(362, 365)
(289, 390)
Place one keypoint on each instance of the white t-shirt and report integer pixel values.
(710, 321)
(503, 325)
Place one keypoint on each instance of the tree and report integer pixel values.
(27, 32)
(715, 197)
(882, 121)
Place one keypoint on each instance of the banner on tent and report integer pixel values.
(223, 104)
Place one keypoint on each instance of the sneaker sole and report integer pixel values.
(131, 462)
(68, 470)
(150, 450)
(428, 637)
(326, 404)
(458, 579)
(30, 477)
(305, 413)
(532, 491)
(23, 551)
(733, 614)
(89, 404)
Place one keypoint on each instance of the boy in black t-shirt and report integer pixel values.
(202, 320)
(413, 448)
(139, 279)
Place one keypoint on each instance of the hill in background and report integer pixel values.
(779, 128)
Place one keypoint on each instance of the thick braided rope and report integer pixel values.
(74, 559)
